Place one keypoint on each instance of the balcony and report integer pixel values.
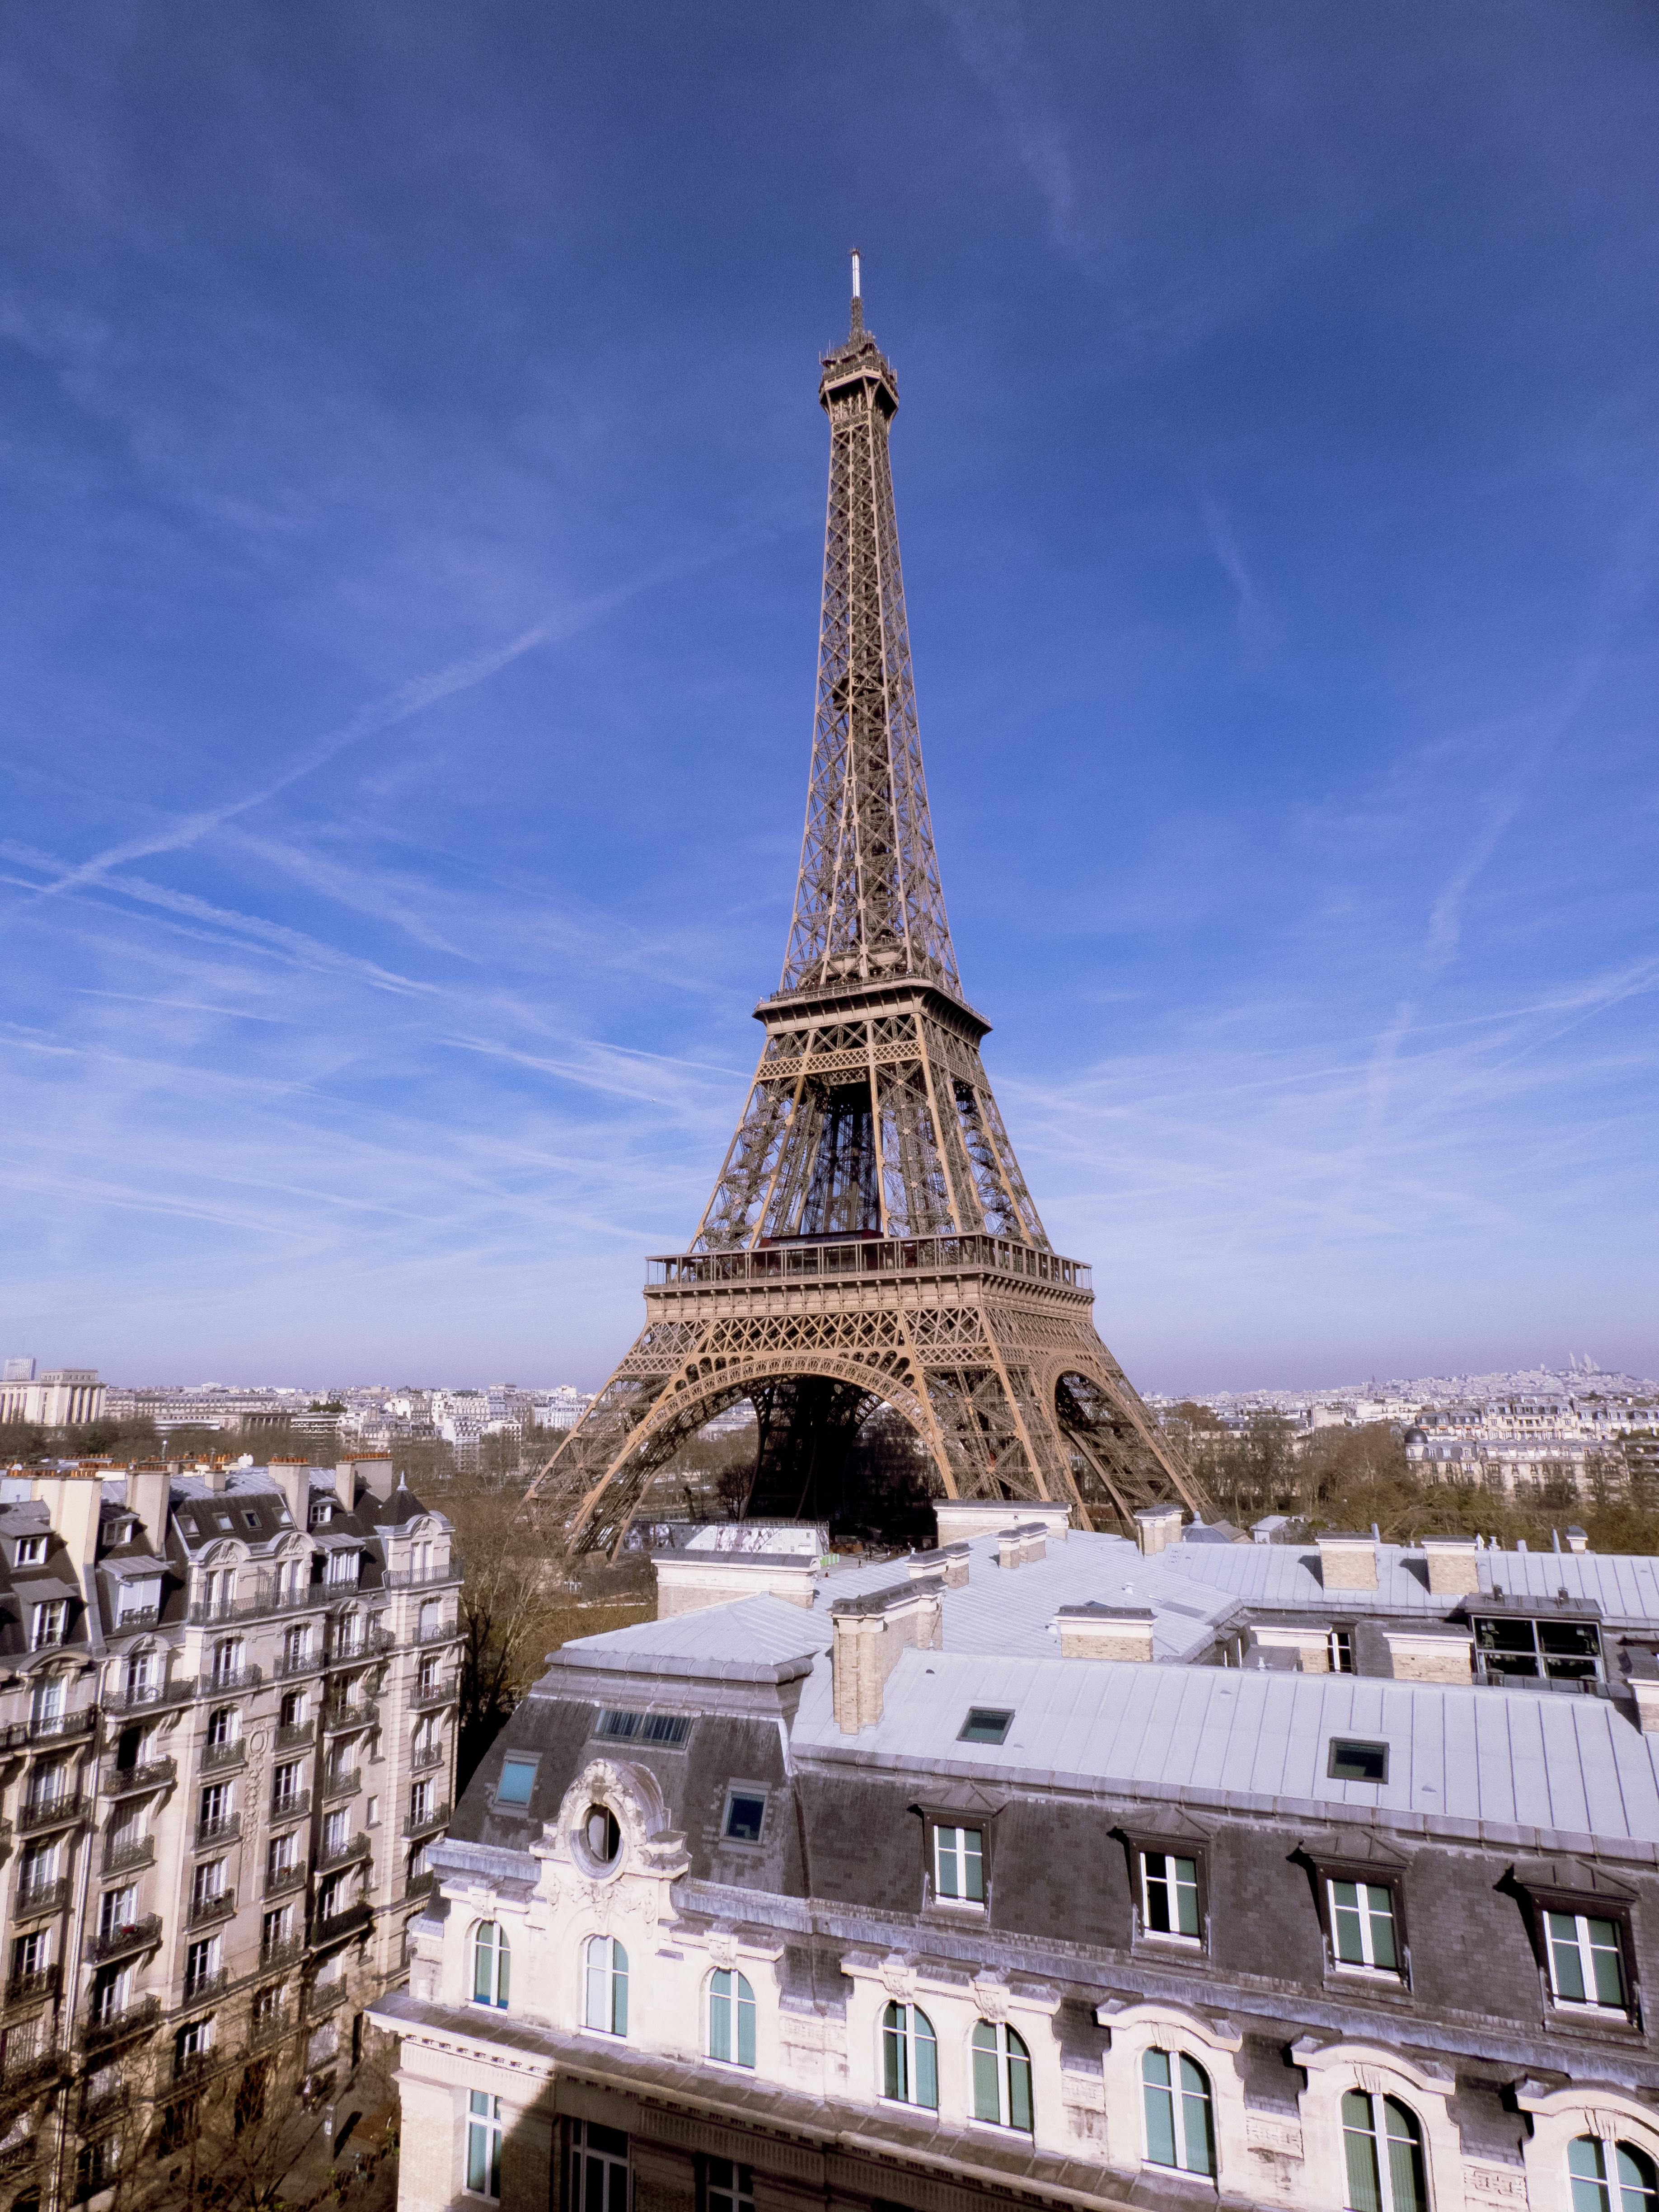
(130, 1936)
(441, 1690)
(34, 1899)
(425, 1824)
(30, 1988)
(418, 1578)
(347, 1922)
(344, 1784)
(322, 1997)
(427, 1757)
(218, 1758)
(202, 1989)
(131, 1781)
(101, 2029)
(224, 1828)
(66, 1809)
(30, 2070)
(148, 1697)
(280, 1880)
(224, 1682)
(131, 1851)
(445, 1632)
(835, 1261)
(339, 1718)
(206, 1911)
(273, 1955)
(290, 1734)
(293, 1664)
(419, 1885)
(356, 1847)
(59, 1728)
(269, 2027)
(292, 1805)
(265, 1597)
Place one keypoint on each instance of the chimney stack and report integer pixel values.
(1347, 1561)
(871, 1635)
(1158, 1526)
(72, 1503)
(150, 1496)
(1578, 1540)
(1104, 1632)
(952, 1561)
(1024, 1546)
(1454, 1565)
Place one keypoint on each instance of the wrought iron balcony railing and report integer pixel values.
(109, 2025)
(66, 1809)
(130, 1781)
(36, 1898)
(423, 1824)
(223, 1828)
(217, 1757)
(345, 1783)
(129, 1935)
(439, 1691)
(130, 1851)
(290, 1734)
(418, 1578)
(146, 1697)
(30, 1986)
(356, 1847)
(205, 1911)
(280, 1880)
(292, 1805)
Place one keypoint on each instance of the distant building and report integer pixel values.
(63, 1397)
(18, 1371)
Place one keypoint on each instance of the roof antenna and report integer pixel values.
(858, 301)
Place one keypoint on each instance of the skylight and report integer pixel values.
(985, 1724)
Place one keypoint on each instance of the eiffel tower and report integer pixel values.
(871, 1240)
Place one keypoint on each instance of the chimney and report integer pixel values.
(1347, 1561)
(293, 1478)
(956, 1519)
(1431, 1654)
(872, 1634)
(375, 1474)
(1642, 1668)
(1577, 1540)
(1454, 1565)
(212, 1473)
(345, 1483)
(72, 1503)
(1104, 1632)
(1024, 1546)
(150, 1496)
(1158, 1526)
(950, 1560)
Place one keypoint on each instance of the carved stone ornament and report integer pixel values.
(898, 1977)
(631, 1795)
(1369, 2079)
(1273, 2131)
(991, 1996)
(1496, 2185)
(723, 1948)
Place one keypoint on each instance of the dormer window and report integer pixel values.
(31, 1551)
(48, 1624)
(322, 1513)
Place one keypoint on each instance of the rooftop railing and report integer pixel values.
(864, 1256)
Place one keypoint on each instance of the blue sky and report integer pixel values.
(408, 610)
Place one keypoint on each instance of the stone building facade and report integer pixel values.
(1046, 1868)
(227, 1719)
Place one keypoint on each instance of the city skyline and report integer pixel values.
(412, 664)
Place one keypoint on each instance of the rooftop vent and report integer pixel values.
(1158, 1526)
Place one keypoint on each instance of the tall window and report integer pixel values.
(201, 1966)
(598, 2169)
(1169, 1895)
(1587, 1965)
(49, 1623)
(731, 2019)
(1002, 2076)
(959, 1864)
(1362, 1925)
(1180, 2123)
(489, 1965)
(1384, 2148)
(604, 2000)
(483, 2145)
(1611, 2177)
(727, 2186)
(1340, 1642)
(909, 2056)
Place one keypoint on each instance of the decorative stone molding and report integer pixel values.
(1495, 2184)
(990, 1996)
(1274, 2132)
(898, 1977)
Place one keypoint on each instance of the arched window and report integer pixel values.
(605, 2001)
(909, 2056)
(1611, 2177)
(490, 1964)
(1180, 2123)
(731, 2019)
(1384, 2146)
(1002, 2076)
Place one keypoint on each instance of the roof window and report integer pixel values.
(985, 1724)
(517, 1780)
(1352, 1761)
(645, 1728)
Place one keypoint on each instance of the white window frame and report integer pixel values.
(49, 1624)
(1171, 1881)
(612, 1973)
(1367, 1915)
(483, 2125)
(31, 1551)
(1006, 2062)
(499, 1952)
(1339, 1643)
(1587, 1952)
(1179, 2099)
(950, 1842)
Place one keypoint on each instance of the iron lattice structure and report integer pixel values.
(871, 1239)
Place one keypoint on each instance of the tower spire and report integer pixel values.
(868, 904)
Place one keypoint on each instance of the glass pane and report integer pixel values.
(1365, 2186)
(893, 2083)
(1606, 1962)
(973, 1865)
(1379, 1907)
(593, 2192)
(618, 1990)
(1565, 1966)
(926, 2058)
(477, 2157)
(944, 1845)
(1638, 2187)
(1020, 2084)
(986, 2104)
(1160, 2121)
(1406, 2176)
(1197, 2125)
(719, 2021)
(1186, 1882)
(746, 2023)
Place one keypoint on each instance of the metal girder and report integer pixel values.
(870, 1119)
